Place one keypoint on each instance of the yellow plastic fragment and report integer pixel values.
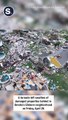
(55, 62)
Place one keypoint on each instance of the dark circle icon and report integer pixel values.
(8, 11)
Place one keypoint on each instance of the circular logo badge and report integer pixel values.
(8, 11)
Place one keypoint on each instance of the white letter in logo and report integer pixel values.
(8, 11)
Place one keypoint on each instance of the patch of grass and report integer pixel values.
(5, 48)
(12, 69)
(28, 64)
(58, 80)
(0, 72)
(64, 34)
(62, 83)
